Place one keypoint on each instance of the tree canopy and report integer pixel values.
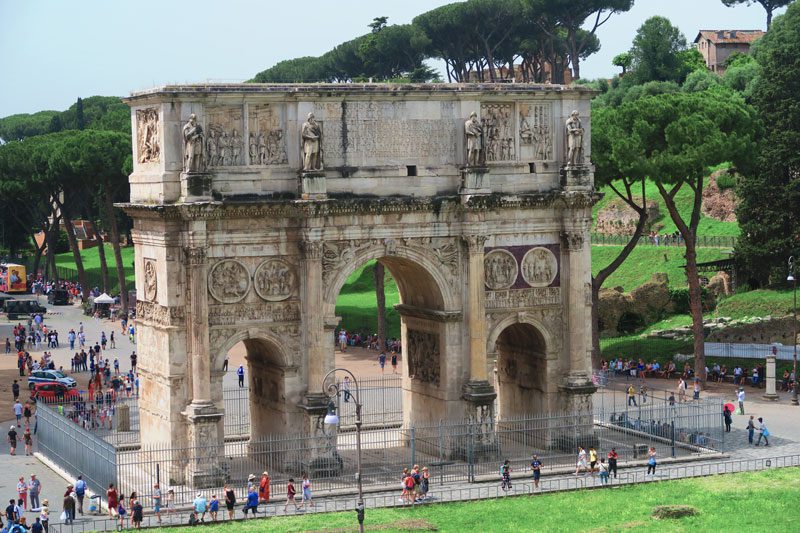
(769, 6)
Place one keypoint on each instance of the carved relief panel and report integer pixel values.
(224, 142)
(536, 131)
(150, 280)
(275, 280)
(266, 144)
(539, 267)
(228, 281)
(498, 132)
(500, 269)
(423, 356)
(148, 140)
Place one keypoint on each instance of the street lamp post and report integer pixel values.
(793, 279)
(332, 419)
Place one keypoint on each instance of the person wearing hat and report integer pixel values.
(44, 514)
(12, 440)
(263, 488)
(200, 507)
(69, 506)
(251, 483)
(740, 397)
(34, 489)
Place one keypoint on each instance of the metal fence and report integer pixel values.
(749, 351)
(706, 241)
(73, 448)
(443, 494)
(382, 403)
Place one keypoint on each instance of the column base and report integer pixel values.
(771, 397)
(576, 393)
(325, 460)
(482, 442)
(577, 177)
(206, 465)
(474, 182)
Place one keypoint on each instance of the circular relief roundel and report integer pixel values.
(229, 281)
(274, 280)
(500, 269)
(539, 267)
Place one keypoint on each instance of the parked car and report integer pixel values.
(50, 376)
(54, 391)
(16, 309)
(58, 297)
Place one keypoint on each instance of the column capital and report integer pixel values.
(573, 240)
(474, 242)
(194, 255)
(311, 249)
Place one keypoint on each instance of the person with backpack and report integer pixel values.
(505, 474)
(80, 492)
(417, 475)
(408, 487)
(762, 432)
(612, 461)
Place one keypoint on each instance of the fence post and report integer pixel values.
(413, 445)
(470, 450)
(672, 435)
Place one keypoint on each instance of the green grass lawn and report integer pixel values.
(91, 263)
(736, 502)
(358, 306)
(664, 224)
(645, 260)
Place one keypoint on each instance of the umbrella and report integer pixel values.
(730, 407)
(104, 299)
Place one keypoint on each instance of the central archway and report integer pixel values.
(430, 379)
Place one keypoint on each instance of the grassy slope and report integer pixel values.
(708, 226)
(91, 262)
(736, 502)
(358, 306)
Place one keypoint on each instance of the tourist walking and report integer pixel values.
(592, 459)
(740, 397)
(603, 472)
(263, 488)
(394, 362)
(346, 388)
(763, 432)
(121, 512)
(251, 504)
(425, 483)
(612, 461)
(536, 468)
(27, 439)
(44, 515)
(631, 396)
(213, 507)
(682, 390)
(505, 474)
(230, 500)
(80, 492)
(12, 441)
(156, 498)
(582, 465)
(34, 489)
(240, 373)
(726, 415)
(22, 492)
(290, 494)
(696, 389)
(651, 461)
(112, 496)
(305, 486)
(751, 429)
(69, 507)
(137, 513)
(382, 360)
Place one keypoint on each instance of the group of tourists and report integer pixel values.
(416, 484)
(345, 339)
(589, 465)
(29, 500)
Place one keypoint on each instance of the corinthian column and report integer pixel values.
(578, 315)
(197, 343)
(476, 313)
(314, 324)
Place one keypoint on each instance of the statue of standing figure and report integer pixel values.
(474, 132)
(312, 135)
(574, 140)
(193, 146)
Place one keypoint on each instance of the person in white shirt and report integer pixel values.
(740, 397)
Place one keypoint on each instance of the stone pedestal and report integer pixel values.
(324, 460)
(770, 393)
(482, 441)
(577, 178)
(206, 465)
(474, 182)
(195, 187)
(577, 393)
(313, 186)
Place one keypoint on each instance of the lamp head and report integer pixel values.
(790, 277)
(331, 419)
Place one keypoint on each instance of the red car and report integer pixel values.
(54, 392)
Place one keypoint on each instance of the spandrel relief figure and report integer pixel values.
(262, 149)
(193, 146)
(236, 148)
(252, 149)
(212, 148)
(223, 150)
(474, 133)
(574, 129)
(311, 134)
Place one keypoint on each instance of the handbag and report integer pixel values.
(63, 515)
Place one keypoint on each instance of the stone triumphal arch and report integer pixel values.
(252, 205)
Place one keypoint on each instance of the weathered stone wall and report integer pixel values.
(648, 303)
(764, 331)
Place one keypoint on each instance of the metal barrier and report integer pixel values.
(748, 351)
(703, 241)
(76, 450)
(521, 485)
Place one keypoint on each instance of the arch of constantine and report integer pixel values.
(252, 204)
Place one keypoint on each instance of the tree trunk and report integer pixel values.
(380, 296)
(101, 253)
(37, 256)
(76, 252)
(50, 237)
(769, 18)
(689, 234)
(108, 205)
(574, 55)
(604, 274)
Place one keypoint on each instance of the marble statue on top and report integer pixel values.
(193, 146)
(574, 130)
(474, 133)
(311, 134)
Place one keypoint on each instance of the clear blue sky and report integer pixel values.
(53, 51)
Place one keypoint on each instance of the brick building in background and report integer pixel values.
(717, 45)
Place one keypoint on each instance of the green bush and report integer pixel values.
(726, 181)
(680, 300)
